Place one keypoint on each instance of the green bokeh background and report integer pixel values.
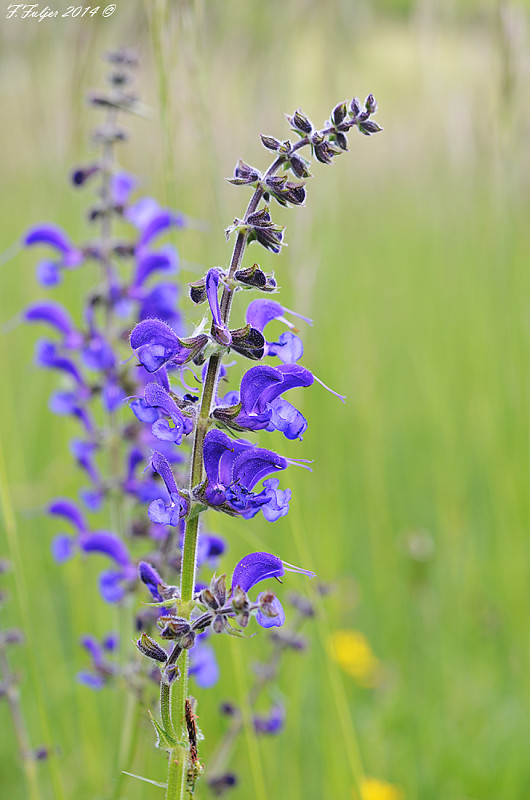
(412, 258)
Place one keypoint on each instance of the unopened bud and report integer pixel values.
(150, 648)
(208, 599)
(239, 599)
(188, 640)
(219, 624)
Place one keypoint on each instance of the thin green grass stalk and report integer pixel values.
(336, 683)
(165, 47)
(21, 733)
(25, 613)
(256, 765)
(129, 739)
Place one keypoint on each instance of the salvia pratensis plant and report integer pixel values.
(226, 470)
(181, 452)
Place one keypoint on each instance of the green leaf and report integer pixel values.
(145, 780)
(164, 739)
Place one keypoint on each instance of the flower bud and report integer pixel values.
(219, 624)
(355, 107)
(371, 104)
(239, 600)
(173, 627)
(339, 113)
(243, 619)
(82, 174)
(188, 640)
(270, 142)
(151, 649)
(208, 599)
(218, 587)
(244, 174)
(300, 122)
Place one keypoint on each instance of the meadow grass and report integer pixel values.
(412, 259)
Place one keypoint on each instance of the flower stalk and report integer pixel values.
(178, 785)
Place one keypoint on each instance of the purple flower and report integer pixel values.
(63, 507)
(288, 348)
(56, 315)
(156, 345)
(272, 722)
(219, 328)
(97, 353)
(70, 404)
(102, 668)
(167, 513)
(163, 260)
(121, 186)
(48, 356)
(48, 272)
(261, 405)
(161, 303)
(152, 220)
(83, 452)
(155, 407)
(233, 468)
(257, 567)
(148, 575)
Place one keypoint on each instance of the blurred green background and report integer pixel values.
(412, 258)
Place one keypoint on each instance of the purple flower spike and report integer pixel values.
(220, 330)
(157, 344)
(65, 508)
(54, 314)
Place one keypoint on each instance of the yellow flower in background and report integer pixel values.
(374, 789)
(352, 651)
